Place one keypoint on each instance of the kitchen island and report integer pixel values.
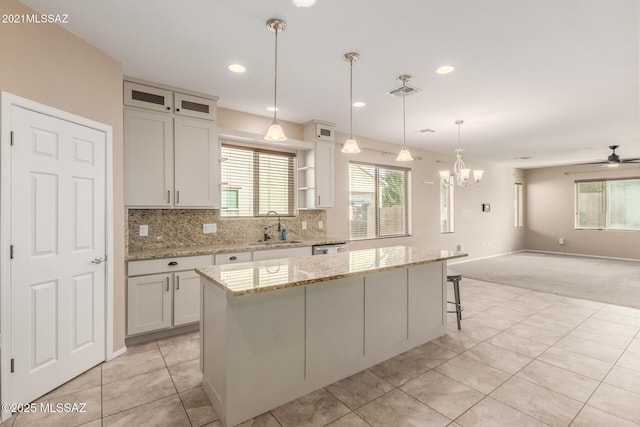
(272, 331)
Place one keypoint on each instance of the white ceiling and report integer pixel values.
(554, 80)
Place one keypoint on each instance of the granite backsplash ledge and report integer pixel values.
(177, 228)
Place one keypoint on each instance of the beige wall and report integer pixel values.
(480, 234)
(550, 213)
(47, 64)
(247, 122)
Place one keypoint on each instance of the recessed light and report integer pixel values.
(523, 158)
(426, 131)
(359, 104)
(445, 69)
(237, 68)
(303, 3)
(272, 109)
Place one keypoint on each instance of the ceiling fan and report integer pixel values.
(614, 159)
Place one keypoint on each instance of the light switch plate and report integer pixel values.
(304, 225)
(144, 230)
(209, 228)
(320, 225)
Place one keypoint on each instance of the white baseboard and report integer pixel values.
(117, 353)
(580, 255)
(463, 260)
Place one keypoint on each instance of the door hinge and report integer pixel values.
(11, 252)
(13, 365)
(11, 138)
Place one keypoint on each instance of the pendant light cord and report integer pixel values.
(275, 82)
(404, 117)
(351, 100)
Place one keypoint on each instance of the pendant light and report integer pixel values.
(461, 173)
(404, 155)
(351, 146)
(275, 132)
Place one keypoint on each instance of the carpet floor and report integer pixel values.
(603, 280)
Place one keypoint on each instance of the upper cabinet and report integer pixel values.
(316, 178)
(171, 149)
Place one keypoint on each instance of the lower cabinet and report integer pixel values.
(166, 299)
(281, 253)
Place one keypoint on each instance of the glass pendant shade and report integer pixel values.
(404, 155)
(477, 174)
(444, 175)
(350, 146)
(465, 173)
(275, 133)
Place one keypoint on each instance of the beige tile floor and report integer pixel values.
(523, 358)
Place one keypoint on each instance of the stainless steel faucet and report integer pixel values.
(266, 229)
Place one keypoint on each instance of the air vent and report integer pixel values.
(408, 90)
(426, 130)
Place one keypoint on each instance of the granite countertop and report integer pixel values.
(261, 276)
(222, 249)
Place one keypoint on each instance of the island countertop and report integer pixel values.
(261, 276)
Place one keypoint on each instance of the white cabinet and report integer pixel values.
(316, 180)
(148, 303)
(196, 162)
(281, 253)
(163, 293)
(148, 158)
(170, 160)
(232, 258)
(165, 100)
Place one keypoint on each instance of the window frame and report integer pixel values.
(451, 211)
(377, 196)
(518, 205)
(604, 204)
(291, 191)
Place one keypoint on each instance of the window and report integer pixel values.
(608, 204)
(517, 205)
(447, 223)
(256, 181)
(379, 201)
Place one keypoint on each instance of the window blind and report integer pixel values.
(379, 201)
(255, 181)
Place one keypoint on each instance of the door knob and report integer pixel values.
(99, 260)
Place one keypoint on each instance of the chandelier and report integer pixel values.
(461, 173)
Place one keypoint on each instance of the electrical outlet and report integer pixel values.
(209, 228)
(304, 225)
(144, 230)
(320, 225)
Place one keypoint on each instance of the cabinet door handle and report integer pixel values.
(177, 109)
(178, 196)
(233, 258)
(173, 263)
(177, 283)
(168, 196)
(318, 200)
(167, 280)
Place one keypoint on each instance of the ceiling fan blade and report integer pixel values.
(636, 160)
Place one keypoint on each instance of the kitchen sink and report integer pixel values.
(276, 242)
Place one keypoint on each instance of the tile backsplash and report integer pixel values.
(175, 228)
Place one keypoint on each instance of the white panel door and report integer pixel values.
(196, 163)
(58, 236)
(186, 297)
